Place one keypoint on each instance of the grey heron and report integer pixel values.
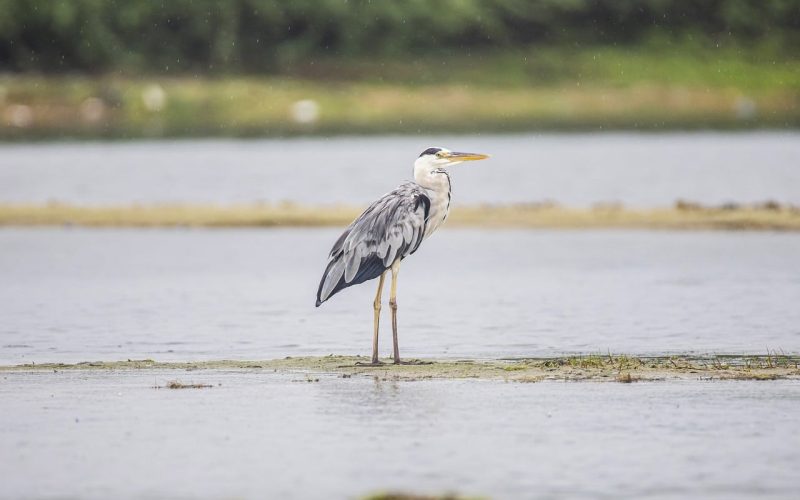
(389, 230)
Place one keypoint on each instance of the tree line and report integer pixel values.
(259, 36)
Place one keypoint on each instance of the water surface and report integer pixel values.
(640, 170)
(263, 435)
(71, 294)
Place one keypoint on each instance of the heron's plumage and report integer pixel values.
(390, 229)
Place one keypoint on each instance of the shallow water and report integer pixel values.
(263, 435)
(640, 170)
(72, 294)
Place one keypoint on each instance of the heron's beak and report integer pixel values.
(457, 157)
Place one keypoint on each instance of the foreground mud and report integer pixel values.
(608, 368)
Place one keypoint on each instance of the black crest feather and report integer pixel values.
(430, 151)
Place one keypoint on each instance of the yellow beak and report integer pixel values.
(456, 156)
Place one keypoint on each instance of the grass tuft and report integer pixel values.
(627, 378)
(753, 376)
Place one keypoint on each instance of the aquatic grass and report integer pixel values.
(772, 359)
(754, 376)
(592, 361)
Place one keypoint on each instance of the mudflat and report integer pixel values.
(611, 368)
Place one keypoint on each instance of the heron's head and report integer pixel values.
(435, 158)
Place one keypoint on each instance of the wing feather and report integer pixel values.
(391, 228)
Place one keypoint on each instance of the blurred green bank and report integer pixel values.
(103, 68)
(593, 89)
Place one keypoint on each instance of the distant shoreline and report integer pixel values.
(547, 89)
(683, 216)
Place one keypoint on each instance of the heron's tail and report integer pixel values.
(328, 285)
(334, 279)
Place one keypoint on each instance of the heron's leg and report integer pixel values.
(377, 307)
(393, 305)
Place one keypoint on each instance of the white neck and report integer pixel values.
(430, 176)
(436, 181)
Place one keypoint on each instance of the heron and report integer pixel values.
(388, 231)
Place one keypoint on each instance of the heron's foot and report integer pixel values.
(412, 362)
(370, 363)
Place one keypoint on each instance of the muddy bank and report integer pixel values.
(608, 368)
(684, 215)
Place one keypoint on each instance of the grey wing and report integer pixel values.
(391, 228)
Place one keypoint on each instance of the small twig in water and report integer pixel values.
(177, 384)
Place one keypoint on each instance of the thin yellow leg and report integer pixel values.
(393, 305)
(377, 306)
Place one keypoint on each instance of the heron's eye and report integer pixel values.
(440, 154)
